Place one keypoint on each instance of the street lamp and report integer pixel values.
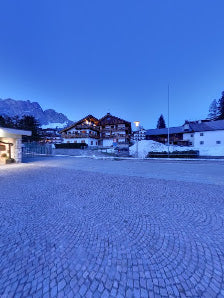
(137, 126)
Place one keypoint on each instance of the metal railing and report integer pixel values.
(32, 150)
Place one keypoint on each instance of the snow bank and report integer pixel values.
(145, 146)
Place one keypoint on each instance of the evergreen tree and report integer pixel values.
(161, 122)
(9, 122)
(2, 121)
(221, 108)
(30, 123)
(213, 110)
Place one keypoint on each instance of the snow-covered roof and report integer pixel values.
(7, 132)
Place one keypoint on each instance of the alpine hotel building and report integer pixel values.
(106, 132)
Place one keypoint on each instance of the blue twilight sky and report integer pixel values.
(97, 56)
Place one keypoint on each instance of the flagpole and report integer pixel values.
(168, 102)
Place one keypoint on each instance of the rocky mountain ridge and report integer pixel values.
(12, 107)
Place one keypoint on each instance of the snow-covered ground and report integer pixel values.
(54, 125)
(146, 146)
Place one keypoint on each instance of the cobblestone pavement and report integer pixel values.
(67, 233)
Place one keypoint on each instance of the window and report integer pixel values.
(218, 142)
(75, 141)
(91, 142)
(201, 142)
(83, 141)
(96, 143)
(192, 135)
(201, 134)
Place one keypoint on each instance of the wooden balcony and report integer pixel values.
(80, 135)
(113, 136)
(87, 126)
(114, 129)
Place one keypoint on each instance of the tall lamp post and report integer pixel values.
(137, 126)
(168, 101)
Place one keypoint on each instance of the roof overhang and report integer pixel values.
(13, 133)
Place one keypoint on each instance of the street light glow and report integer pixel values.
(137, 123)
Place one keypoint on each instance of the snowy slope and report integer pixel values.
(145, 146)
(54, 125)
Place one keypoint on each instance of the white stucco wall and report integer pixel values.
(209, 138)
(189, 137)
(79, 140)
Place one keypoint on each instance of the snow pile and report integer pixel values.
(54, 125)
(145, 146)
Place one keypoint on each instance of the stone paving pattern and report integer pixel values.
(67, 233)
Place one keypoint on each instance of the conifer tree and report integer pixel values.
(221, 107)
(161, 122)
(213, 110)
(30, 123)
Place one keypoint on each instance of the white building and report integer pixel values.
(139, 135)
(11, 143)
(204, 133)
(194, 133)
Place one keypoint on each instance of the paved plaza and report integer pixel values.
(78, 227)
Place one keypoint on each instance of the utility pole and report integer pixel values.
(168, 99)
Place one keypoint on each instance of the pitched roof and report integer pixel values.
(194, 126)
(207, 126)
(108, 119)
(88, 117)
(164, 131)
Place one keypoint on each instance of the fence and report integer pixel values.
(174, 154)
(35, 149)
